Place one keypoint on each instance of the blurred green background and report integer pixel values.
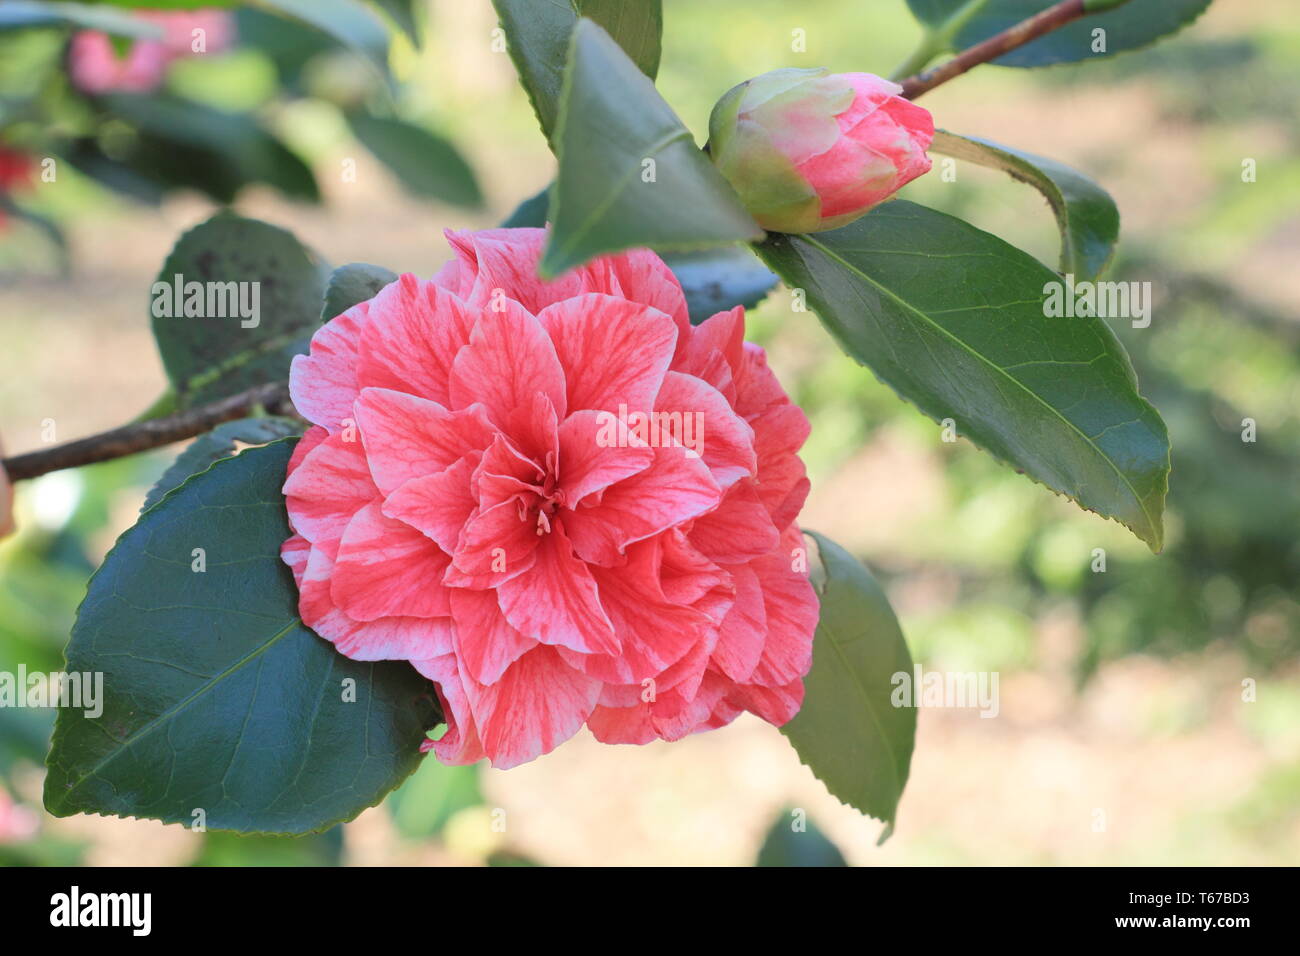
(1123, 736)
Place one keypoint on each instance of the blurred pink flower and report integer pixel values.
(16, 822)
(15, 175)
(95, 66)
(562, 502)
(809, 150)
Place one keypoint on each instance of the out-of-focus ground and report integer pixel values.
(1150, 760)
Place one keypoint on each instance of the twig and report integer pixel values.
(1067, 11)
(154, 433)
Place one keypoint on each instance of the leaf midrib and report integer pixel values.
(1151, 527)
(177, 708)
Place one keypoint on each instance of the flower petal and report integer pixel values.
(556, 601)
(539, 702)
(509, 359)
(323, 383)
(413, 348)
(386, 568)
(407, 437)
(614, 352)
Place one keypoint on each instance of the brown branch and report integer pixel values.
(154, 433)
(1067, 11)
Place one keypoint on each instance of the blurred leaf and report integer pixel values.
(17, 14)
(47, 227)
(952, 319)
(237, 849)
(171, 4)
(353, 283)
(718, 279)
(538, 40)
(216, 695)
(786, 846)
(613, 127)
(848, 732)
(211, 357)
(509, 858)
(24, 731)
(184, 143)
(350, 22)
(216, 444)
(402, 13)
(1087, 216)
(289, 44)
(1137, 24)
(426, 164)
(421, 807)
(530, 212)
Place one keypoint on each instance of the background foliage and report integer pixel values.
(987, 570)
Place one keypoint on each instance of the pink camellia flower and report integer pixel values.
(95, 66)
(559, 501)
(809, 150)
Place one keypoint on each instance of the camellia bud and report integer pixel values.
(809, 150)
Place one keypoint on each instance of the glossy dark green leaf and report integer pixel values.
(537, 35)
(715, 280)
(216, 444)
(216, 696)
(210, 357)
(1137, 23)
(794, 840)
(953, 320)
(353, 283)
(848, 732)
(1088, 218)
(421, 807)
(425, 163)
(17, 14)
(630, 172)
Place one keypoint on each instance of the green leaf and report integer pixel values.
(953, 320)
(786, 846)
(434, 794)
(350, 22)
(614, 130)
(211, 357)
(353, 283)
(180, 142)
(1138, 23)
(236, 849)
(18, 14)
(537, 36)
(848, 732)
(216, 444)
(530, 212)
(1088, 218)
(425, 164)
(402, 13)
(215, 695)
(718, 279)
